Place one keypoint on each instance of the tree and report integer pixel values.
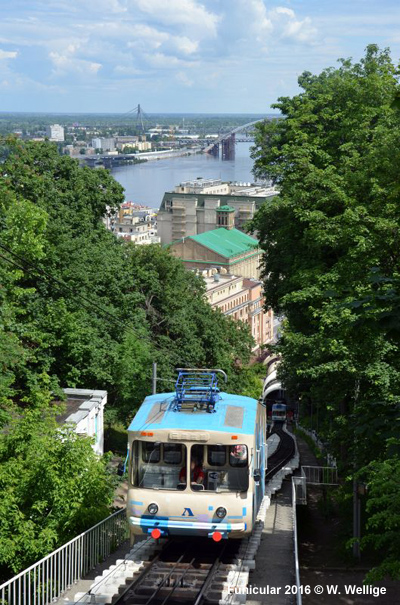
(89, 308)
(335, 223)
(186, 331)
(383, 523)
(53, 487)
(81, 308)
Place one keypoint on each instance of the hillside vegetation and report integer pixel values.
(81, 308)
(331, 267)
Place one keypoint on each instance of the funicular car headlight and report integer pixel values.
(220, 512)
(153, 508)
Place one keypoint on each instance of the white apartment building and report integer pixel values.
(194, 207)
(136, 229)
(85, 410)
(104, 144)
(55, 132)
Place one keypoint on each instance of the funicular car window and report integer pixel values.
(151, 452)
(226, 469)
(157, 465)
(216, 455)
(172, 453)
(238, 456)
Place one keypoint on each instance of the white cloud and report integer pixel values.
(280, 10)
(183, 79)
(168, 46)
(257, 13)
(6, 54)
(184, 44)
(289, 27)
(127, 70)
(180, 12)
(66, 63)
(162, 61)
(146, 37)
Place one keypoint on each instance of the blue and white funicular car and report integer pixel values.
(197, 461)
(279, 412)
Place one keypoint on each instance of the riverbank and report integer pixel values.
(168, 153)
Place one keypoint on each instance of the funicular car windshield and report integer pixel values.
(224, 468)
(157, 465)
(217, 468)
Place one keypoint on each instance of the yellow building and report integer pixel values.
(230, 250)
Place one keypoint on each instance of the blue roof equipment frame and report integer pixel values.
(196, 388)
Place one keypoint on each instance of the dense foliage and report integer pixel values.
(331, 259)
(53, 486)
(81, 308)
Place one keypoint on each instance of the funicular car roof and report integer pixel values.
(233, 414)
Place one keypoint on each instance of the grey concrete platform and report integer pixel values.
(275, 556)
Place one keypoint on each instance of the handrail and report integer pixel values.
(296, 547)
(203, 370)
(47, 579)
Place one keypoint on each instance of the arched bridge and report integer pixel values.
(227, 142)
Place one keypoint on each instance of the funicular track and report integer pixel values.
(197, 572)
(184, 572)
(285, 451)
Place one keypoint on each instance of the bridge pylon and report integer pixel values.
(141, 117)
(228, 147)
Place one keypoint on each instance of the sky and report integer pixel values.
(190, 56)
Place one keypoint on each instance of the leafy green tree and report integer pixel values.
(335, 223)
(53, 487)
(334, 156)
(185, 331)
(85, 307)
(383, 523)
(248, 380)
(81, 308)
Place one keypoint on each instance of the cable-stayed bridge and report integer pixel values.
(227, 142)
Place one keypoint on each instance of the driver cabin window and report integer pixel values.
(156, 465)
(225, 468)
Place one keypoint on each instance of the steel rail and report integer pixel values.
(144, 573)
(178, 580)
(209, 577)
(167, 577)
(283, 454)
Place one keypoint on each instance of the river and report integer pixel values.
(146, 183)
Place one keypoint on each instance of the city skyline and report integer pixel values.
(183, 56)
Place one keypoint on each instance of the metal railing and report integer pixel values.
(46, 580)
(300, 487)
(320, 475)
(296, 547)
